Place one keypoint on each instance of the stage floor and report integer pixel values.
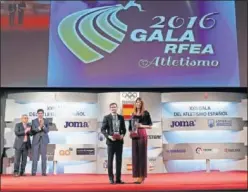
(155, 182)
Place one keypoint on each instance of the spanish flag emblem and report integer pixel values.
(127, 110)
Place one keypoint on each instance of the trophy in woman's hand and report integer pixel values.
(134, 131)
(116, 134)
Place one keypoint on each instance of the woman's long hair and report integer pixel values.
(142, 108)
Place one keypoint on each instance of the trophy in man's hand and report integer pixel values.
(116, 127)
(134, 131)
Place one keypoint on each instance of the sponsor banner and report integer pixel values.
(75, 124)
(222, 165)
(154, 137)
(179, 124)
(204, 151)
(200, 109)
(127, 100)
(75, 152)
(52, 109)
(154, 165)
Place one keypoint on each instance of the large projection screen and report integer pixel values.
(125, 44)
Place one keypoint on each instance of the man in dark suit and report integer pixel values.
(12, 12)
(22, 145)
(112, 125)
(40, 140)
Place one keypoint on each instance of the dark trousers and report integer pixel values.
(21, 153)
(115, 149)
(139, 157)
(20, 17)
(37, 150)
(12, 19)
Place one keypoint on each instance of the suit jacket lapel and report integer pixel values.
(119, 117)
(111, 121)
(21, 125)
(37, 121)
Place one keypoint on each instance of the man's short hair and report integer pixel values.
(24, 115)
(111, 104)
(40, 110)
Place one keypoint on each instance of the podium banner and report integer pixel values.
(75, 152)
(204, 151)
(182, 124)
(204, 109)
(155, 136)
(75, 124)
(52, 109)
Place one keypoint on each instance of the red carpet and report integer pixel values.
(155, 182)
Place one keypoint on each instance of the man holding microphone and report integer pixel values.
(22, 145)
(40, 141)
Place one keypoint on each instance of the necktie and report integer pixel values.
(115, 123)
(25, 136)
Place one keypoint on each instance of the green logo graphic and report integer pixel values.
(99, 26)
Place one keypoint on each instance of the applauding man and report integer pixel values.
(114, 129)
(40, 131)
(22, 145)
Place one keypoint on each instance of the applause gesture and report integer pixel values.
(41, 123)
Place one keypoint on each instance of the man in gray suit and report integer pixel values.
(40, 140)
(21, 145)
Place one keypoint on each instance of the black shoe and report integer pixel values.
(16, 175)
(44, 174)
(111, 181)
(22, 174)
(120, 182)
(33, 174)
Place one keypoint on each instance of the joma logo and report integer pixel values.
(182, 124)
(76, 124)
